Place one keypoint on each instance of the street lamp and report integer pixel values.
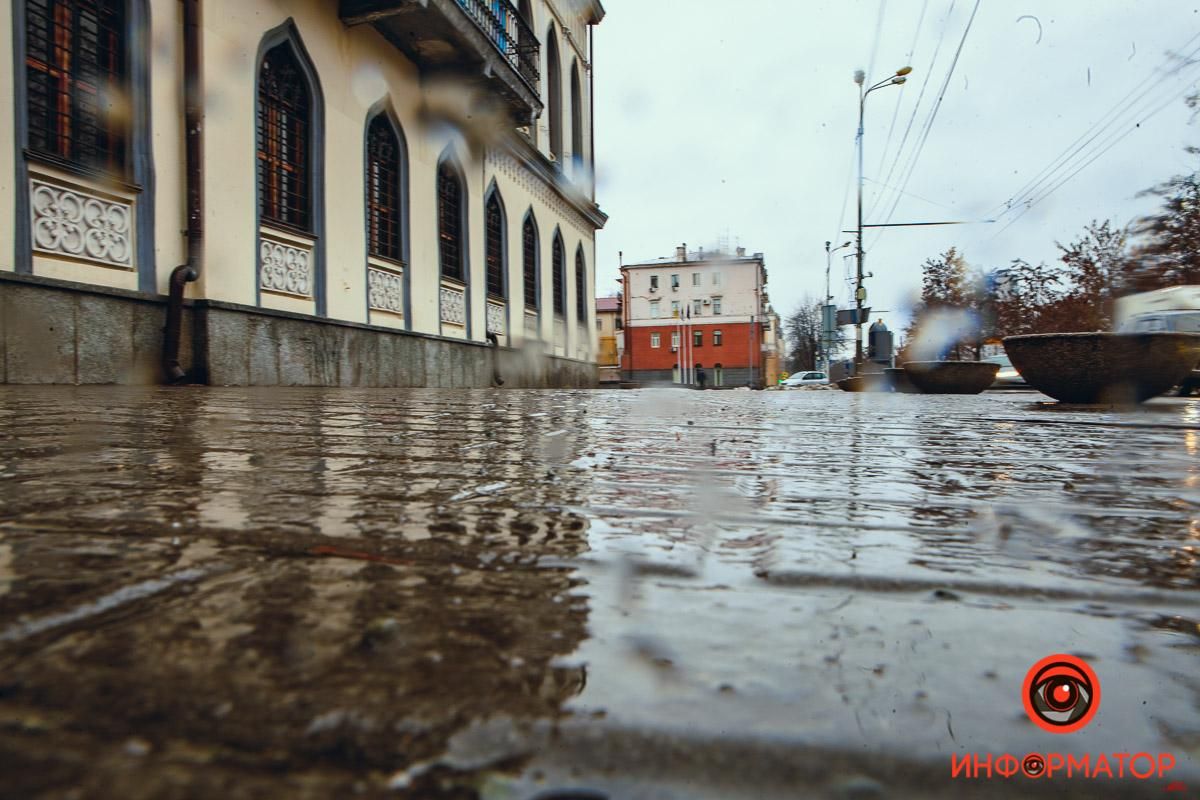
(826, 330)
(860, 294)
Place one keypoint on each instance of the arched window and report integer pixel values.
(529, 262)
(576, 117)
(558, 268)
(77, 71)
(493, 223)
(581, 293)
(450, 222)
(383, 190)
(554, 94)
(284, 140)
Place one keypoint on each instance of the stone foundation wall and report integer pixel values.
(734, 376)
(60, 332)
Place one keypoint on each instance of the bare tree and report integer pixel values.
(1095, 266)
(1169, 248)
(1168, 243)
(803, 330)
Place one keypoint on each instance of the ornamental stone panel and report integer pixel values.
(385, 290)
(285, 268)
(453, 305)
(71, 222)
(495, 319)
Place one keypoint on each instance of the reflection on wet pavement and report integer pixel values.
(436, 593)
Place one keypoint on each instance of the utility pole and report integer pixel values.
(827, 315)
(860, 294)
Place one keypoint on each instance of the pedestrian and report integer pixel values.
(700, 376)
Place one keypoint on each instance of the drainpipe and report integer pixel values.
(194, 137)
(592, 105)
(494, 341)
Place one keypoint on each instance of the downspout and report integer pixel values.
(194, 138)
(592, 106)
(627, 351)
(494, 341)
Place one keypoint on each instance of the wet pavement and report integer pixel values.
(516, 594)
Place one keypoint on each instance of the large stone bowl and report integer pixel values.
(1112, 368)
(951, 377)
(899, 381)
(852, 384)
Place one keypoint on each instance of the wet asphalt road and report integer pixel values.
(504, 594)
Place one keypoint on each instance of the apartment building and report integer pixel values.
(298, 192)
(697, 310)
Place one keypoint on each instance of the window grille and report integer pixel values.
(529, 263)
(383, 190)
(580, 287)
(494, 247)
(559, 268)
(449, 192)
(284, 141)
(76, 77)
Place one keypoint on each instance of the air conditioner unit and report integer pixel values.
(708, 302)
(674, 349)
(654, 288)
(552, 158)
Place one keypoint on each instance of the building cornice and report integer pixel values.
(702, 262)
(544, 170)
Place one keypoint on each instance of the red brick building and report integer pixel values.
(701, 310)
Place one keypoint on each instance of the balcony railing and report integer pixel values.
(506, 28)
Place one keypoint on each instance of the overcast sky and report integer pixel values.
(737, 119)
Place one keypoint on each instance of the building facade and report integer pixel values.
(353, 193)
(610, 339)
(694, 312)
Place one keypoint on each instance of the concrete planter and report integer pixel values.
(852, 384)
(866, 382)
(951, 377)
(899, 381)
(1104, 367)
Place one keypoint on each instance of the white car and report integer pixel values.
(806, 379)
(1007, 376)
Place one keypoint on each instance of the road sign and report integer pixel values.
(851, 316)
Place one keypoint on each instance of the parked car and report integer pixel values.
(1175, 309)
(1007, 377)
(806, 379)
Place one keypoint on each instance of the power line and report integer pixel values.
(911, 194)
(1111, 142)
(932, 115)
(916, 107)
(1112, 117)
(878, 33)
(846, 193)
(912, 48)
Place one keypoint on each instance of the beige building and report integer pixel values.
(774, 348)
(611, 340)
(354, 192)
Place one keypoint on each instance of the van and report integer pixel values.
(1172, 310)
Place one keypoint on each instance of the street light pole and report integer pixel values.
(826, 330)
(860, 294)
